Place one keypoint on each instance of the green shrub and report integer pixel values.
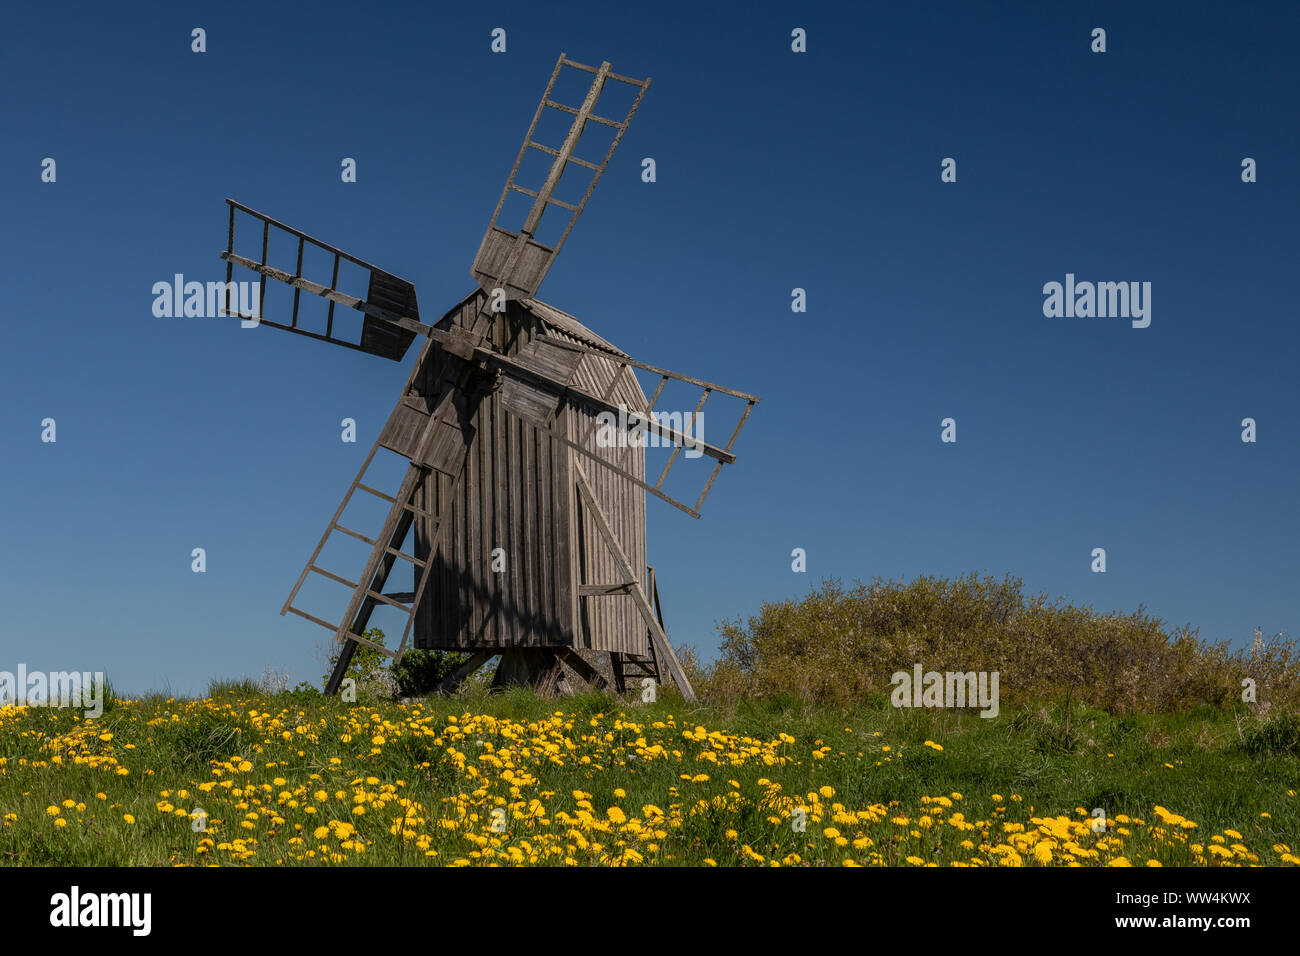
(419, 673)
(842, 646)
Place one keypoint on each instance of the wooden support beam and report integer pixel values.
(340, 668)
(583, 669)
(596, 590)
(657, 633)
(462, 673)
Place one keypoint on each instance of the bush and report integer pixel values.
(417, 674)
(842, 646)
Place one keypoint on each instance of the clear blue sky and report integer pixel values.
(775, 171)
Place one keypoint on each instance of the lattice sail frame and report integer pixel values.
(390, 307)
(515, 261)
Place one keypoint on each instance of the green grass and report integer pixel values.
(1218, 768)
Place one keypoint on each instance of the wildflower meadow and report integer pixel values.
(246, 777)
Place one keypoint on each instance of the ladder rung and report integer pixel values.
(557, 202)
(418, 511)
(387, 600)
(376, 492)
(556, 152)
(356, 534)
(610, 75)
(591, 116)
(579, 66)
(408, 506)
(416, 561)
(315, 620)
(333, 576)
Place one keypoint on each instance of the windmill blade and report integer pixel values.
(391, 312)
(540, 379)
(515, 261)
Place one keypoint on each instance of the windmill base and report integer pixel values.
(558, 670)
(548, 670)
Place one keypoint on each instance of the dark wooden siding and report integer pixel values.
(515, 495)
(609, 622)
(518, 493)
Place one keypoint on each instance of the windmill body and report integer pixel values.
(517, 492)
(522, 532)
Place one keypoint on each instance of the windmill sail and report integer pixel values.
(515, 261)
(391, 313)
(440, 443)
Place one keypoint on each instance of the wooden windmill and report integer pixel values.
(527, 532)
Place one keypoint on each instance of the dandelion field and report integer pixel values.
(245, 778)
